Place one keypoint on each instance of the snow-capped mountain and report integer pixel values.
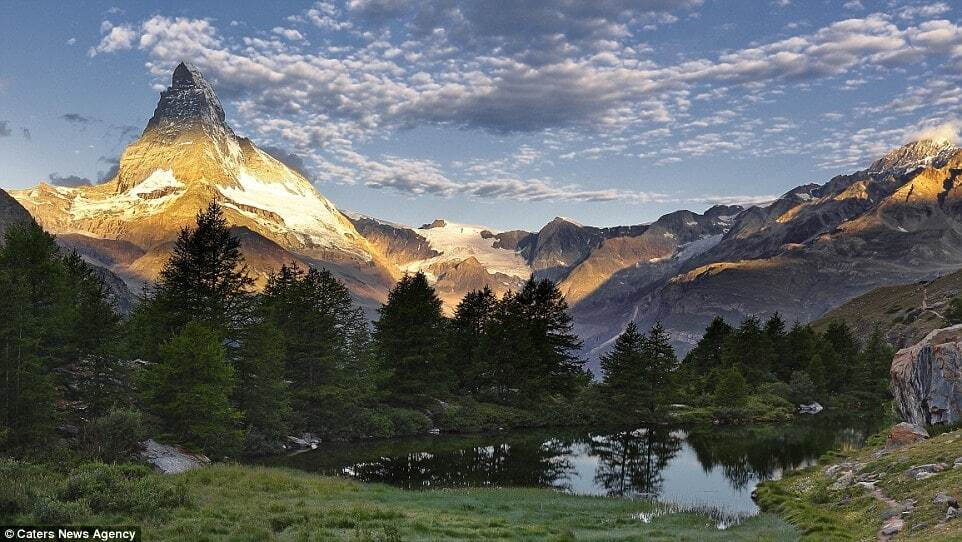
(187, 157)
(801, 255)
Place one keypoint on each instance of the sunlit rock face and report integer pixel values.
(927, 379)
(188, 157)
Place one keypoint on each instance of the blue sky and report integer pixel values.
(505, 113)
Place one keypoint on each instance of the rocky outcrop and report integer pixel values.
(170, 459)
(927, 379)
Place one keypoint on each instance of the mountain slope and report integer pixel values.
(11, 212)
(816, 247)
(187, 157)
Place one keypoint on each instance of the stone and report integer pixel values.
(903, 434)
(922, 472)
(893, 526)
(307, 441)
(946, 499)
(171, 459)
(843, 481)
(951, 513)
(812, 408)
(927, 379)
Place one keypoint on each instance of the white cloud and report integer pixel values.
(116, 38)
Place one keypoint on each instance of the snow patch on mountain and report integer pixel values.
(300, 207)
(462, 241)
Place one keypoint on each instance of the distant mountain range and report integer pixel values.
(810, 250)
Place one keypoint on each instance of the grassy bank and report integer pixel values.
(231, 502)
(824, 509)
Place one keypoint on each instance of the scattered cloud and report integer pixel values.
(25, 132)
(77, 118)
(5, 128)
(70, 181)
(116, 38)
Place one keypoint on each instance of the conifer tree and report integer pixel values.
(30, 285)
(411, 341)
(626, 387)
(555, 366)
(261, 394)
(469, 353)
(731, 389)
(188, 389)
(875, 363)
(205, 279)
(325, 344)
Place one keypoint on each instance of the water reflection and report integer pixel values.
(714, 466)
(631, 463)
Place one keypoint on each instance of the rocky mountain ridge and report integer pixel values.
(810, 250)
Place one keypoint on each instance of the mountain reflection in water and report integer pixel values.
(704, 466)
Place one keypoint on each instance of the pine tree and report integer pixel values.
(840, 354)
(751, 349)
(707, 355)
(411, 341)
(875, 363)
(781, 359)
(188, 389)
(660, 362)
(623, 376)
(325, 344)
(261, 393)
(731, 389)
(469, 355)
(555, 366)
(205, 279)
(55, 322)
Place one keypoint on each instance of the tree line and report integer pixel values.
(216, 366)
(206, 361)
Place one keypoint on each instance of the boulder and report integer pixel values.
(903, 434)
(171, 459)
(813, 408)
(927, 379)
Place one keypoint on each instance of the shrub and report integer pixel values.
(406, 421)
(731, 388)
(801, 388)
(50, 511)
(113, 436)
(129, 489)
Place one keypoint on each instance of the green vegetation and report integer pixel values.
(823, 509)
(759, 372)
(227, 502)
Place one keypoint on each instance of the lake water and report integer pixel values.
(713, 466)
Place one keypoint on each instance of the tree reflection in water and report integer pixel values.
(631, 463)
(648, 462)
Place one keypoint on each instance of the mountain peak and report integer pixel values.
(189, 99)
(934, 152)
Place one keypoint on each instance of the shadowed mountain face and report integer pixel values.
(11, 212)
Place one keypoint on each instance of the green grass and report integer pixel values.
(806, 499)
(234, 502)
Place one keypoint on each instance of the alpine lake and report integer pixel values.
(708, 467)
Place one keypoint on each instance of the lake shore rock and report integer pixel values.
(171, 459)
(927, 379)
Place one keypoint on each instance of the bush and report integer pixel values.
(802, 389)
(50, 511)
(731, 388)
(131, 489)
(113, 436)
(407, 422)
